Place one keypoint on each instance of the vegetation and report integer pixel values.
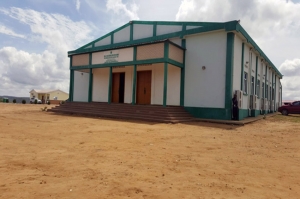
(48, 102)
(35, 101)
(44, 109)
(23, 101)
(14, 101)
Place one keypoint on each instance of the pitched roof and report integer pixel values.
(46, 91)
(135, 33)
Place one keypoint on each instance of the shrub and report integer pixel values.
(48, 102)
(14, 101)
(35, 101)
(7, 101)
(23, 101)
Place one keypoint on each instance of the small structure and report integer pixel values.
(54, 96)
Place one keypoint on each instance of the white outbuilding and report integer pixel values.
(196, 65)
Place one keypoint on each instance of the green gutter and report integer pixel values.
(90, 96)
(134, 76)
(256, 66)
(166, 54)
(182, 74)
(71, 82)
(242, 68)
(229, 73)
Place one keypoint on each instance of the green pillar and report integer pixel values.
(109, 84)
(166, 57)
(242, 67)
(256, 66)
(182, 74)
(275, 95)
(229, 74)
(134, 85)
(71, 81)
(90, 86)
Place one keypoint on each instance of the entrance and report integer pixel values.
(143, 90)
(118, 87)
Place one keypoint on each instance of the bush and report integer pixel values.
(23, 101)
(35, 101)
(14, 101)
(48, 102)
(7, 101)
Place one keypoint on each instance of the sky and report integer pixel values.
(35, 35)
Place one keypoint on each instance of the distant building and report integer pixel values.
(46, 95)
(196, 65)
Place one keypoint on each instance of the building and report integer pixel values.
(197, 65)
(49, 95)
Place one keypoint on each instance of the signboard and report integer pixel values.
(113, 56)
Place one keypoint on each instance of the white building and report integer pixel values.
(198, 65)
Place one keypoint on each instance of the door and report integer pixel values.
(143, 90)
(118, 87)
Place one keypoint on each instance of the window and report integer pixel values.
(267, 94)
(270, 96)
(263, 90)
(252, 85)
(258, 88)
(245, 83)
(273, 91)
(296, 103)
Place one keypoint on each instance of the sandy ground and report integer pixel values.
(44, 155)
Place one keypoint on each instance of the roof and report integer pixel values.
(176, 29)
(46, 91)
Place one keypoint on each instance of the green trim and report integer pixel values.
(110, 85)
(112, 39)
(154, 29)
(131, 32)
(243, 113)
(166, 54)
(255, 113)
(134, 77)
(134, 85)
(175, 63)
(266, 86)
(182, 75)
(71, 82)
(256, 66)
(275, 94)
(90, 96)
(209, 113)
(229, 70)
(242, 68)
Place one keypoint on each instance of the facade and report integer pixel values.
(47, 95)
(197, 65)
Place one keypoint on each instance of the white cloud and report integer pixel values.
(290, 82)
(77, 4)
(119, 8)
(48, 69)
(8, 31)
(273, 24)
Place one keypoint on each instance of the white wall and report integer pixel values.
(104, 41)
(141, 31)
(173, 88)
(122, 35)
(237, 68)
(100, 84)
(81, 86)
(165, 29)
(205, 88)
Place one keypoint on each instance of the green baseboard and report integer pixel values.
(210, 113)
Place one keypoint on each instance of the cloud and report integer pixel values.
(7, 31)
(47, 69)
(290, 82)
(119, 8)
(77, 4)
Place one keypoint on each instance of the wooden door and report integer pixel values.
(115, 87)
(143, 90)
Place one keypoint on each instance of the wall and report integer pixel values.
(173, 88)
(81, 86)
(100, 84)
(205, 88)
(237, 62)
(59, 94)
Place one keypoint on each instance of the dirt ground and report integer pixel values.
(45, 155)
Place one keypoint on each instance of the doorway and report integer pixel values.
(118, 87)
(143, 90)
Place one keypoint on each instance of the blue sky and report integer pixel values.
(35, 35)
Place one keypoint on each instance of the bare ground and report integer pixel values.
(45, 155)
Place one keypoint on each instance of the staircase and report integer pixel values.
(153, 113)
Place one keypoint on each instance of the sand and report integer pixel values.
(46, 155)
